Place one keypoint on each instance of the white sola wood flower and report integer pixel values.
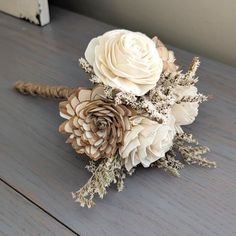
(185, 112)
(147, 141)
(125, 60)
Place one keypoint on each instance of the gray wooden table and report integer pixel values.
(38, 170)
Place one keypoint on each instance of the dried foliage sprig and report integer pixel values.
(189, 77)
(169, 163)
(192, 154)
(108, 171)
(199, 98)
(193, 68)
(186, 137)
(88, 69)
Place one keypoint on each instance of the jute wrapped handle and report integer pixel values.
(59, 92)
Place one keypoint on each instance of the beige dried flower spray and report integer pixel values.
(130, 116)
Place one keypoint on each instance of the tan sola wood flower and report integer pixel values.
(96, 125)
(166, 55)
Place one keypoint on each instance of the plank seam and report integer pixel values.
(38, 206)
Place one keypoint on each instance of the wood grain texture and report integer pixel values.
(36, 161)
(20, 217)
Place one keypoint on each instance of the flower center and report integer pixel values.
(101, 124)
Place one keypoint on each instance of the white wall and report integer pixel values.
(207, 27)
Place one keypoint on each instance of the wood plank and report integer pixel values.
(36, 161)
(20, 217)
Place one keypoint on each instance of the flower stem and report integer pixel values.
(42, 90)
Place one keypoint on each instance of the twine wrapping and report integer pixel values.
(60, 92)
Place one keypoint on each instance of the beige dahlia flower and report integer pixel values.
(95, 126)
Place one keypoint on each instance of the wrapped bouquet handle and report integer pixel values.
(41, 90)
(133, 114)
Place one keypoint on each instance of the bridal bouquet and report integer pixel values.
(134, 113)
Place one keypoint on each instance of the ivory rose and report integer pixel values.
(125, 60)
(147, 141)
(185, 112)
